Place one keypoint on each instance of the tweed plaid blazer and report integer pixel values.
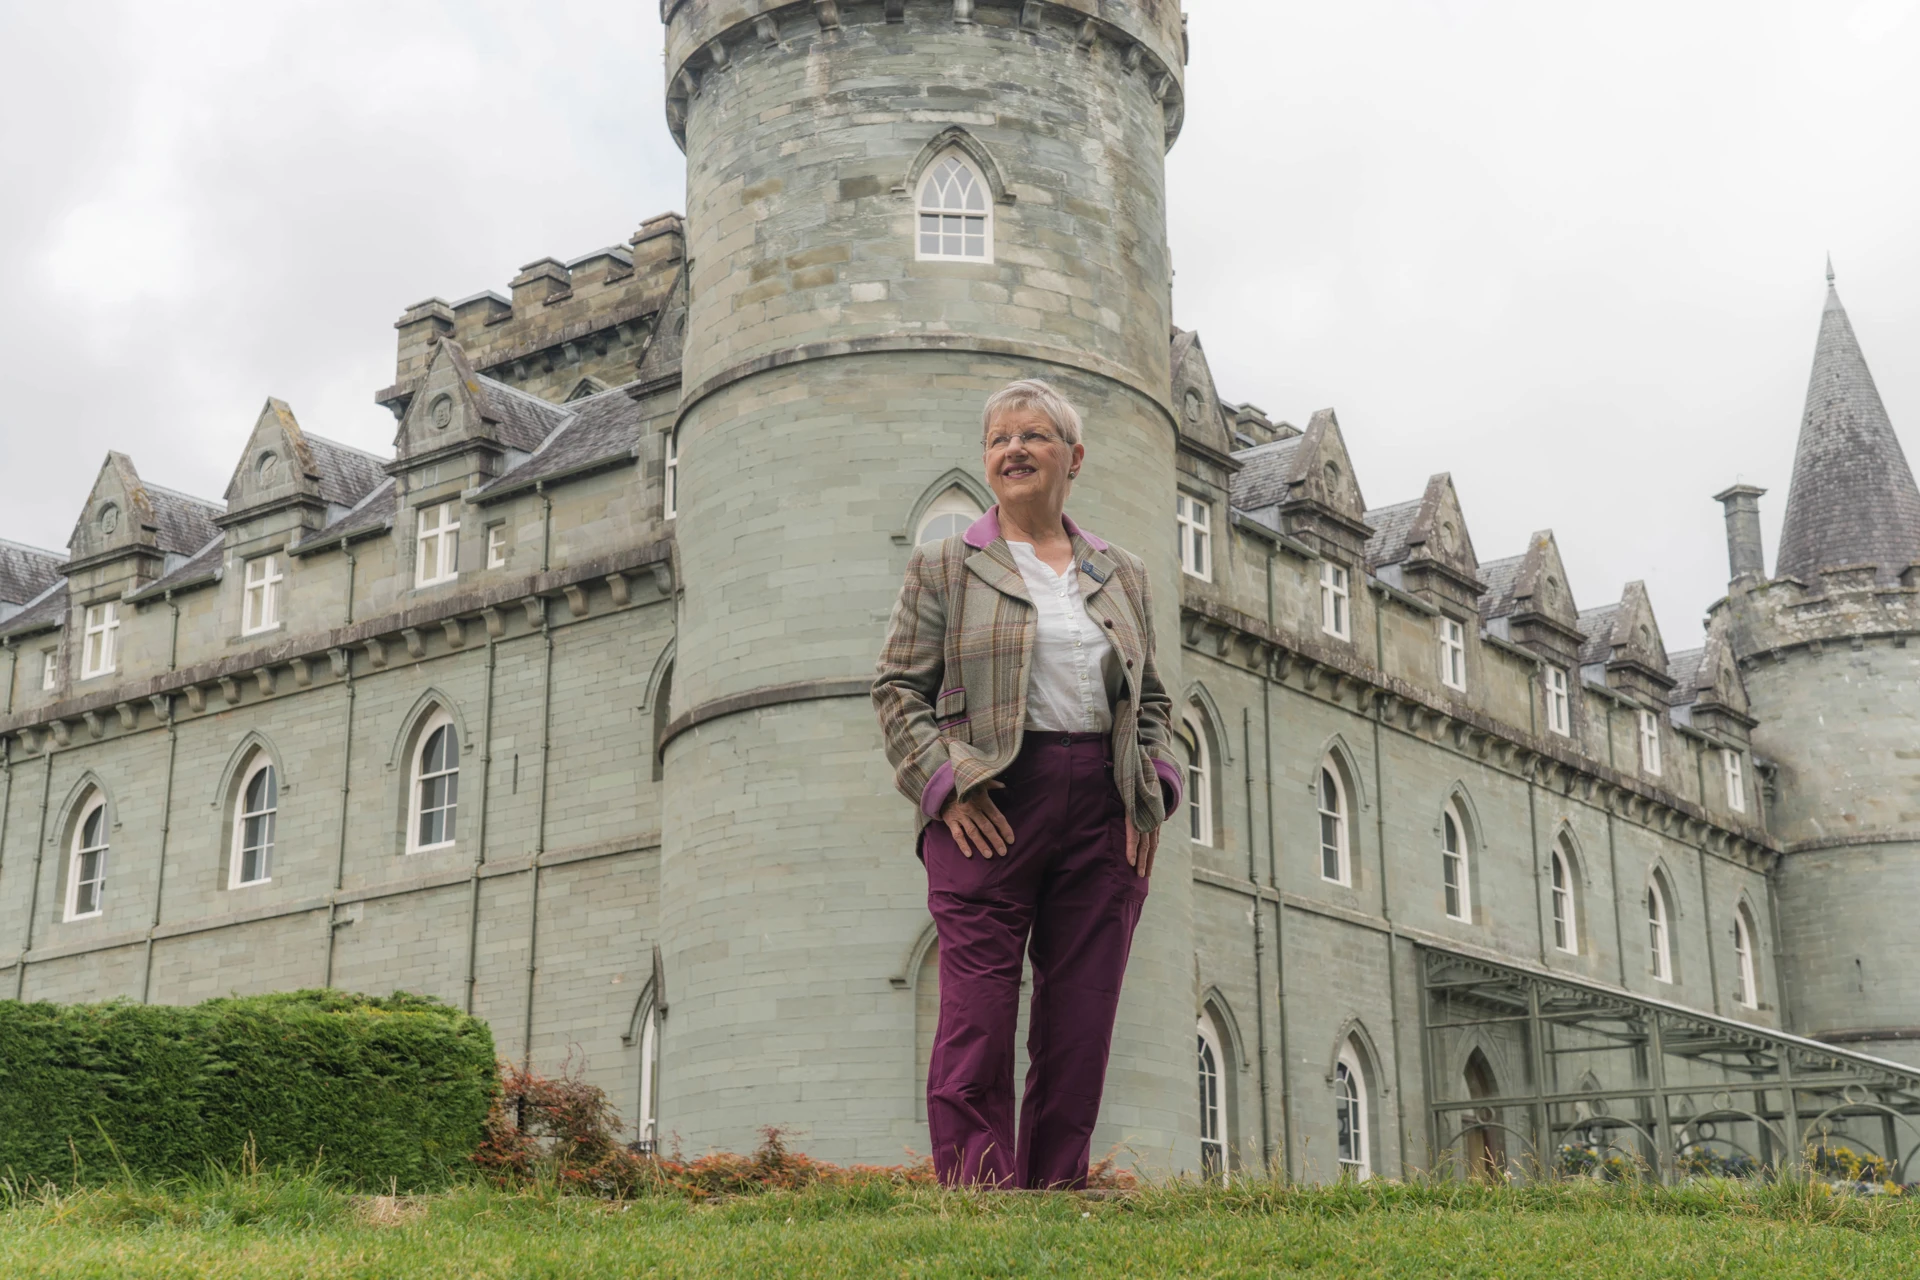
(951, 685)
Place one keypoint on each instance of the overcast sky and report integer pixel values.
(1572, 254)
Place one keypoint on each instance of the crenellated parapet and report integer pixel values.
(1848, 606)
(1146, 39)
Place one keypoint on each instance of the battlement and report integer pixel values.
(564, 330)
(1846, 604)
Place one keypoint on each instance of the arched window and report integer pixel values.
(956, 212)
(1453, 864)
(1334, 862)
(1350, 1115)
(87, 866)
(670, 480)
(1193, 745)
(1746, 990)
(1566, 927)
(946, 516)
(1659, 930)
(1213, 1142)
(254, 816)
(649, 1052)
(436, 786)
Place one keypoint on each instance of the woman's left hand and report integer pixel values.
(1141, 848)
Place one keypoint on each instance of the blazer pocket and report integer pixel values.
(950, 713)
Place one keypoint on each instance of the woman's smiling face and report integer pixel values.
(1024, 470)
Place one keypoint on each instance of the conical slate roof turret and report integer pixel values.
(1853, 499)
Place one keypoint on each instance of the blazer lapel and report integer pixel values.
(994, 566)
(1095, 568)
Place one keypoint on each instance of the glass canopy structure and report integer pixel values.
(1530, 1073)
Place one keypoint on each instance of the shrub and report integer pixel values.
(377, 1091)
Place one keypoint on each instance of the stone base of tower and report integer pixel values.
(1846, 921)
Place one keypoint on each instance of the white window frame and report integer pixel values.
(1456, 877)
(1453, 652)
(1350, 1090)
(236, 873)
(1210, 1066)
(1650, 743)
(1659, 931)
(95, 803)
(497, 546)
(49, 670)
(1747, 993)
(649, 1075)
(1566, 923)
(1199, 780)
(976, 223)
(1193, 518)
(1736, 780)
(100, 646)
(1336, 600)
(953, 512)
(260, 594)
(1339, 815)
(436, 545)
(670, 477)
(418, 779)
(1559, 702)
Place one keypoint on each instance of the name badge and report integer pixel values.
(1086, 567)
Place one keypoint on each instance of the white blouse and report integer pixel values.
(1068, 679)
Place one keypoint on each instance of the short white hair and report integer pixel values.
(1031, 393)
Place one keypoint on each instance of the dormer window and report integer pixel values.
(100, 651)
(1559, 707)
(956, 214)
(1453, 654)
(260, 603)
(1650, 743)
(1736, 781)
(1194, 520)
(671, 476)
(437, 549)
(49, 670)
(1335, 614)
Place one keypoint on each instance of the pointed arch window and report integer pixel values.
(649, 1083)
(946, 516)
(1350, 1115)
(87, 866)
(1566, 927)
(255, 816)
(1659, 930)
(1213, 1142)
(955, 212)
(1746, 989)
(436, 786)
(1193, 745)
(1453, 864)
(1335, 865)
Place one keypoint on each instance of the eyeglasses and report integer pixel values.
(1026, 439)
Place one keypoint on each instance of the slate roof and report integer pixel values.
(1853, 499)
(203, 565)
(597, 428)
(184, 521)
(48, 609)
(1500, 577)
(347, 474)
(26, 571)
(1597, 626)
(375, 511)
(523, 419)
(1684, 667)
(1391, 525)
(1266, 472)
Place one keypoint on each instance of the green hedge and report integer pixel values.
(376, 1090)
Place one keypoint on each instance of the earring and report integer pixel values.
(1073, 475)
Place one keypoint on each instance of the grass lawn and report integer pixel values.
(269, 1225)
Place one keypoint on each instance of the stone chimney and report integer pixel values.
(1745, 556)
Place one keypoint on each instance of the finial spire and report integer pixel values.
(1829, 269)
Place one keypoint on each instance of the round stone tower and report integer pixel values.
(1834, 685)
(839, 345)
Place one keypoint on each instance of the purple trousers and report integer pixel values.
(1065, 895)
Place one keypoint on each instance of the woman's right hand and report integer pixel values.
(975, 822)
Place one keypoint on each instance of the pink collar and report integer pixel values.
(983, 532)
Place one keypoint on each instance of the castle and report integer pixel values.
(560, 713)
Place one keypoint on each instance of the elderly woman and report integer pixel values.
(1024, 718)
